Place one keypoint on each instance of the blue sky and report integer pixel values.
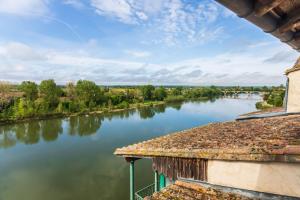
(191, 42)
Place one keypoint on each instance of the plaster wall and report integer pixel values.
(293, 102)
(271, 177)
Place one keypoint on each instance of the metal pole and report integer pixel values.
(132, 180)
(162, 181)
(156, 185)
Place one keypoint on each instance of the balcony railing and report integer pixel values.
(147, 191)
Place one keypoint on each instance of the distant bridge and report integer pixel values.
(236, 92)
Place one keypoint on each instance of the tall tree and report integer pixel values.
(49, 92)
(30, 90)
(147, 92)
(87, 92)
(160, 93)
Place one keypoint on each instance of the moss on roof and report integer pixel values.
(191, 191)
(266, 139)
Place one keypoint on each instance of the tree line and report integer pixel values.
(30, 99)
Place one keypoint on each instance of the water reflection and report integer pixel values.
(6, 139)
(84, 125)
(28, 133)
(49, 130)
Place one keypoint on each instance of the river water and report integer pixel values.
(72, 158)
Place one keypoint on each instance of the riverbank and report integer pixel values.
(94, 112)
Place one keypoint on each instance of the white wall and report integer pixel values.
(271, 177)
(293, 104)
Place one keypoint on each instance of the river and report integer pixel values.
(72, 158)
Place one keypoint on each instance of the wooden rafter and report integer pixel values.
(297, 38)
(263, 9)
(291, 23)
(295, 26)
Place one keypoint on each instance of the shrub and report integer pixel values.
(170, 99)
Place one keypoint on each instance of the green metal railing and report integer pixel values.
(147, 191)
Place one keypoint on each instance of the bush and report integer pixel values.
(262, 105)
(123, 105)
(170, 99)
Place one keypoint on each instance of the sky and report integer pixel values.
(133, 42)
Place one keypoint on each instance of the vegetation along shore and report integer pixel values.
(29, 100)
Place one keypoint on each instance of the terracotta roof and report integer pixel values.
(295, 67)
(191, 191)
(265, 139)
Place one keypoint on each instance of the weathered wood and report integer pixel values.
(290, 22)
(263, 9)
(181, 167)
(295, 26)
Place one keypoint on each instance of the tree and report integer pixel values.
(147, 92)
(88, 92)
(30, 90)
(160, 93)
(176, 91)
(71, 90)
(20, 108)
(49, 92)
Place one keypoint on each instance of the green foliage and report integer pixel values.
(88, 93)
(171, 99)
(30, 90)
(208, 92)
(160, 93)
(147, 92)
(176, 91)
(20, 108)
(263, 105)
(276, 98)
(49, 93)
(123, 105)
(85, 96)
(70, 90)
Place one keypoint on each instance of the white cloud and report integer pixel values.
(192, 23)
(169, 21)
(75, 3)
(138, 54)
(254, 66)
(24, 7)
(141, 15)
(20, 51)
(114, 8)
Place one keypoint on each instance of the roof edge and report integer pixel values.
(289, 157)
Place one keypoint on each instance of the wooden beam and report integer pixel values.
(263, 9)
(295, 26)
(290, 23)
(297, 38)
